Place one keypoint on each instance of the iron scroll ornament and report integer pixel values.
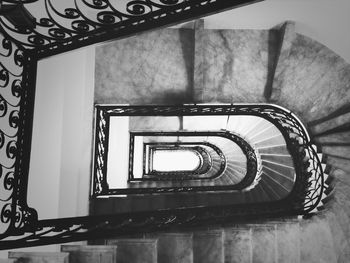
(85, 22)
(252, 166)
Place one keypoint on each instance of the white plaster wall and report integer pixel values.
(59, 175)
(62, 135)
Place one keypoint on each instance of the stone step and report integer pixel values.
(340, 163)
(205, 123)
(339, 138)
(286, 178)
(10, 260)
(242, 125)
(278, 188)
(135, 250)
(263, 133)
(329, 125)
(264, 244)
(90, 254)
(154, 123)
(309, 68)
(270, 141)
(274, 149)
(280, 169)
(40, 257)
(338, 227)
(208, 246)
(238, 245)
(340, 175)
(280, 159)
(288, 242)
(257, 129)
(316, 241)
(337, 151)
(174, 247)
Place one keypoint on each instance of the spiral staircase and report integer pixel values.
(308, 79)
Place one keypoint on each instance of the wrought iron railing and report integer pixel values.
(305, 195)
(101, 188)
(85, 22)
(20, 52)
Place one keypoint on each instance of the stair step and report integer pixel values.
(10, 260)
(280, 169)
(258, 127)
(204, 123)
(270, 141)
(135, 250)
(279, 188)
(90, 254)
(274, 149)
(174, 247)
(335, 138)
(238, 245)
(270, 131)
(40, 257)
(340, 151)
(264, 244)
(340, 241)
(208, 247)
(288, 242)
(154, 123)
(330, 124)
(343, 164)
(280, 159)
(316, 231)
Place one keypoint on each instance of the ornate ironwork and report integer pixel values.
(58, 31)
(248, 151)
(309, 184)
(84, 22)
(17, 86)
(301, 200)
(199, 173)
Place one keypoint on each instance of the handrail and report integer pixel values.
(303, 199)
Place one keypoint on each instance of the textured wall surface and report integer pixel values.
(151, 68)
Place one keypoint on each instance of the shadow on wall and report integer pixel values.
(151, 68)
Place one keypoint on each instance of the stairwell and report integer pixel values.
(231, 66)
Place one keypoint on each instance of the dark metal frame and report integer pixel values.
(100, 186)
(197, 148)
(151, 174)
(25, 46)
(100, 170)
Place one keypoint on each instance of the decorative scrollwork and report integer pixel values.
(18, 57)
(4, 77)
(3, 107)
(6, 45)
(9, 181)
(6, 213)
(14, 119)
(72, 28)
(16, 88)
(138, 8)
(108, 18)
(11, 149)
(2, 139)
(86, 21)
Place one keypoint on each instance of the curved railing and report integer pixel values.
(303, 199)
